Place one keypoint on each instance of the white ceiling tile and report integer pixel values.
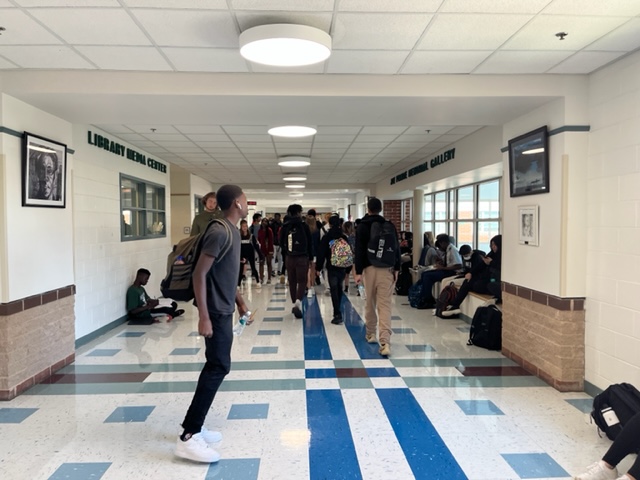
(261, 145)
(585, 62)
(433, 130)
(6, 64)
(471, 31)
(316, 68)
(248, 19)
(326, 138)
(623, 39)
(383, 130)
(44, 57)
(464, 130)
(367, 31)
(196, 4)
(208, 137)
(245, 129)
(157, 132)
(196, 156)
(209, 145)
(521, 62)
(181, 28)
(494, 6)
(169, 143)
(363, 61)
(92, 26)
(423, 62)
(125, 58)
(540, 33)
(132, 137)
(206, 59)
(199, 129)
(337, 130)
(68, 3)
(115, 128)
(284, 5)
(629, 8)
(417, 6)
(180, 150)
(23, 30)
(250, 138)
(6, 4)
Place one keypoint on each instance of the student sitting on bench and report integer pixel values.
(141, 308)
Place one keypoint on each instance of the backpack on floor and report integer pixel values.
(405, 280)
(614, 407)
(446, 298)
(415, 294)
(486, 328)
(296, 240)
(341, 253)
(383, 248)
(178, 283)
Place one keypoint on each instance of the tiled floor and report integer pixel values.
(304, 399)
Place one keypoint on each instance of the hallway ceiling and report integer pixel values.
(361, 139)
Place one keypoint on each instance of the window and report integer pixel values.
(406, 215)
(198, 205)
(143, 209)
(470, 214)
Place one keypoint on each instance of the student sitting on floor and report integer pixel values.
(141, 308)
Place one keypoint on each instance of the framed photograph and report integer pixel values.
(44, 172)
(529, 163)
(528, 225)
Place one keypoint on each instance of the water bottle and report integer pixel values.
(363, 295)
(238, 328)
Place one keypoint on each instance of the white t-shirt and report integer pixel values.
(452, 256)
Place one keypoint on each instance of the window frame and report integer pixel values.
(142, 208)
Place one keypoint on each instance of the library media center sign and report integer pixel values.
(423, 167)
(118, 149)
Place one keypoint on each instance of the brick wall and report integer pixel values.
(391, 210)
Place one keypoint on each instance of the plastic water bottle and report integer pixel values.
(238, 328)
(363, 294)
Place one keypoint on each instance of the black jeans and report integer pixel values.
(335, 276)
(479, 286)
(167, 310)
(254, 271)
(297, 272)
(218, 354)
(627, 441)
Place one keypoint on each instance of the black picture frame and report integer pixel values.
(44, 172)
(529, 163)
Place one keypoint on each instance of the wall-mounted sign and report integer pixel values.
(251, 202)
(119, 149)
(423, 167)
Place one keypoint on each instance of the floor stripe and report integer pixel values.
(355, 327)
(425, 451)
(332, 453)
(316, 344)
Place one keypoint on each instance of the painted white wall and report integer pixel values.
(38, 242)
(613, 234)
(105, 266)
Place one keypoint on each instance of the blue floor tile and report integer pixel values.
(185, 351)
(269, 332)
(129, 414)
(261, 350)
(395, 317)
(15, 415)
(103, 352)
(420, 348)
(248, 411)
(320, 373)
(403, 330)
(234, 469)
(585, 405)
(131, 334)
(278, 300)
(479, 407)
(273, 319)
(80, 471)
(193, 334)
(375, 372)
(275, 309)
(464, 329)
(534, 465)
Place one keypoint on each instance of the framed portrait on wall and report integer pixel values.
(529, 163)
(528, 225)
(44, 172)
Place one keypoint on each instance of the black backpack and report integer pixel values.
(178, 283)
(486, 328)
(447, 296)
(296, 241)
(382, 250)
(614, 407)
(415, 294)
(405, 280)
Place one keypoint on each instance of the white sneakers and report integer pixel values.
(599, 471)
(197, 447)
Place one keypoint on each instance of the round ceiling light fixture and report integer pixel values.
(292, 131)
(296, 194)
(294, 161)
(294, 179)
(285, 45)
(294, 185)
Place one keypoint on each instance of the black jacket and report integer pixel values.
(284, 233)
(324, 249)
(362, 241)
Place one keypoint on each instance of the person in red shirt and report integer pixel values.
(265, 239)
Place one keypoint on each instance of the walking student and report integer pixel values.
(265, 239)
(211, 211)
(216, 297)
(248, 249)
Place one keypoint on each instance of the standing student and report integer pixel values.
(248, 249)
(335, 275)
(276, 225)
(315, 243)
(216, 297)
(265, 239)
(255, 226)
(211, 211)
(350, 232)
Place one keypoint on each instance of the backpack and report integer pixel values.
(296, 240)
(178, 283)
(405, 280)
(415, 294)
(614, 407)
(486, 328)
(382, 250)
(341, 253)
(446, 298)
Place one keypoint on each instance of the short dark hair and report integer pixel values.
(334, 220)
(207, 197)
(294, 210)
(374, 205)
(465, 250)
(226, 195)
(312, 212)
(276, 215)
(143, 271)
(256, 216)
(443, 238)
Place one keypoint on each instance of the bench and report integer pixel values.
(472, 301)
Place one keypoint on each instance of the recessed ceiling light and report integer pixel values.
(296, 194)
(292, 131)
(294, 185)
(285, 45)
(294, 179)
(294, 161)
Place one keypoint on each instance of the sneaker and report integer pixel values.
(269, 281)
(210, 436)
(384, 350)
(450, 311)
(371, 338)
(178, 313)
(598, 471)
(258, 285)
(296, 310)
(196, 449)
(337, 320)
(346, 290)
(310, 293)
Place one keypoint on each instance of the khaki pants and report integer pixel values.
(378, 285)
